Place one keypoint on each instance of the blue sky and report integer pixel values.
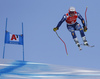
(41, 43)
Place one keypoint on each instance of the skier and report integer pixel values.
(72, 25)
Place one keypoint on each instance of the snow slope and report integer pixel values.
(10, 69)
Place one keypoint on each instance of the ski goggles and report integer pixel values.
(72, 12)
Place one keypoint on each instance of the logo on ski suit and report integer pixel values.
(71, 20)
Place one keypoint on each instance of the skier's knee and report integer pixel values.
(78, 27)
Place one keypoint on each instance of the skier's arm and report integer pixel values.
(82, 20)
(62, 20)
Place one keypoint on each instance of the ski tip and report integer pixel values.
(93, 46)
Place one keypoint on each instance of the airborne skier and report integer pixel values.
(72, 25)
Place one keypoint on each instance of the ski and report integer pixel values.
(87, 45)
(80, 48)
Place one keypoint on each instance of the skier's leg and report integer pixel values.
(71, 29)
(78, 27)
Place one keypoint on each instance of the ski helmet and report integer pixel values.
(72, 9)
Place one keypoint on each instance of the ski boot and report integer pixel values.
(79, 47)
(77, 43)
(85, 41)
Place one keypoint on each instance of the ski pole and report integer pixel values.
(86, 16)
(63, 42)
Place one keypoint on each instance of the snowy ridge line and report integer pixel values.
(48, 75)
(6, 65)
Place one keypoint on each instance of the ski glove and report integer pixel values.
(55, 29)
(85, 29)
